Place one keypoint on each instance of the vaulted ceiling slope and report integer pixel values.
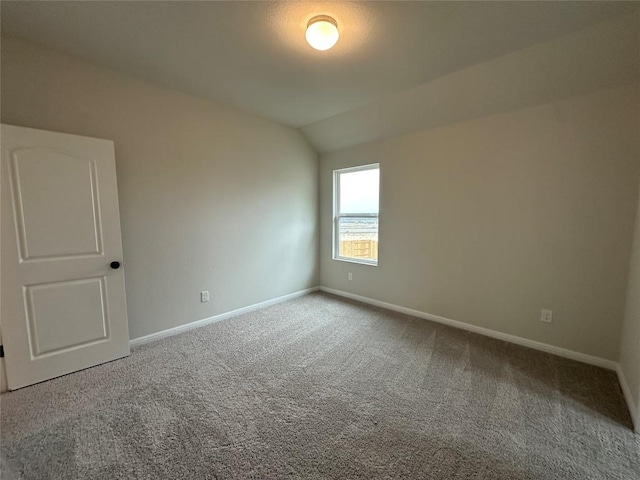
(398, 67)
(603, 56)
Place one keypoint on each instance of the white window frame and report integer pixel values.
(337, 216)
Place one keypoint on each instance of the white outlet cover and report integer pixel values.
(546, 316)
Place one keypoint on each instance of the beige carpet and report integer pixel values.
(319, 387)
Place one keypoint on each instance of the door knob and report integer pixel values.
(115, 265)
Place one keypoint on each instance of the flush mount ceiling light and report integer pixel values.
(322, 32)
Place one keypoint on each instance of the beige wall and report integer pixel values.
(491, 220)
(630, 342)
(211, 198)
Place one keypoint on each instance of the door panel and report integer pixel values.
(63, 307)
(51, 306)
(68, 226)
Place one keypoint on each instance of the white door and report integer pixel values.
(62, 302)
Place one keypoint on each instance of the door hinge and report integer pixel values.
(1, 351)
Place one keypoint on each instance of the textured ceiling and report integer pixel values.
(253, 56)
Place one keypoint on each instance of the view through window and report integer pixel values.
(357, 192)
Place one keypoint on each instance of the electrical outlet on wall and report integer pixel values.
(204, 296)
(546, 316)
(350, 276)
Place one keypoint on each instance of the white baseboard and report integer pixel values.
(544, 347)
(633, 408)
(216, 318)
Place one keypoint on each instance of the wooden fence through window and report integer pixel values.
(367, 249)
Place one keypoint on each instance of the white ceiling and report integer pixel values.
(253, 56)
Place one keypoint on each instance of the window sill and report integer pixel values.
(371, 263)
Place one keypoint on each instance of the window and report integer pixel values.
(355, 227)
